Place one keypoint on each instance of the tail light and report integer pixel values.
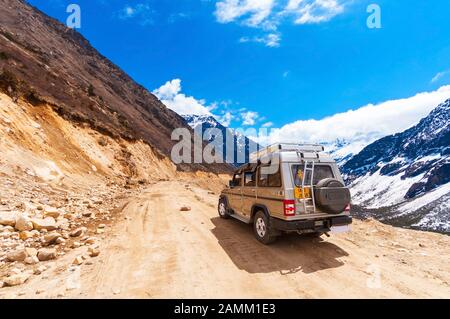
(347, 209)
(289, 207)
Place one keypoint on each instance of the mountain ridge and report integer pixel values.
(56, 64)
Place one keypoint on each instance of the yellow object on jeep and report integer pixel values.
(299, 192)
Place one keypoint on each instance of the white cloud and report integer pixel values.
(439, 76)
(314, 11)
(271, 40)
(254, 12)
(171, 96)
(249, 118)
(363, 125)
(268, 124)
(225, 119)
(268, 14)
(140, 11)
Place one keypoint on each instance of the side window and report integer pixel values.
(250, 179)
(237, 179)
(269, 180)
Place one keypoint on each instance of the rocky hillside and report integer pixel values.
(242, 145)
(405, 178)
(42, 60)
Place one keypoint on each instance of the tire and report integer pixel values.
(262, 229)
(222, 208)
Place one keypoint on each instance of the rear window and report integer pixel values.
(320, 172)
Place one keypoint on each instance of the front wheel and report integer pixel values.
(223, 209)
(262, 229)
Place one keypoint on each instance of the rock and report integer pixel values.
(78, 261)
(24, 235)
(31, 252)
(60, 241)
(31, 260)
(8, 229)
(78, 232)
(52, 212)
(93, 251)
(17, 279)
(8, 218)
(40, 291)
(90, 240)
(48, 223)
(87, 214)
(23, 223)
(46, 254)
(102, 226)
(185, 208)
(51, 238)
(17, 255)
(100, 231)
(39, 270)
(76, 244)
(2, 284)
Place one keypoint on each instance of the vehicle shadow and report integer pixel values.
(291, 253)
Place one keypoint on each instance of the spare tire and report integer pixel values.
(331, 196)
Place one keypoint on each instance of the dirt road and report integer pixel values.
(157, 251)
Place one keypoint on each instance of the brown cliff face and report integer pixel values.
(43, 60)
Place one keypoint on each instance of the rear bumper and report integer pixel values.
(310, 225)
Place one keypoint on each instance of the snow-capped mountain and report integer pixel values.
(242, 144)
(405, 178)
(343, 150)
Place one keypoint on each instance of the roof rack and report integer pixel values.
(286, 147)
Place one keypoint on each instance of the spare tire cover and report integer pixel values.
(331, 196)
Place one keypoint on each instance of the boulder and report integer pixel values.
(52, 212)
(31, 260)
(24, 235)
(78, 261)
(17, 279)
(46, 254)
(47, 223)
(51, 238)
(93, 251)
(8, 218)
(78, 232)
(31, 252)
(23, 223)
(17, 255)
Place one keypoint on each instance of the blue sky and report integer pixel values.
(264, 63)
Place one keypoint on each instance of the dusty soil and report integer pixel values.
(128, 199)
(156, 251)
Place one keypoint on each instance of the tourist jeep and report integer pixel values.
(288, 188)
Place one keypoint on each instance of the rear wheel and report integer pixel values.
(262, 229)
(223, 209)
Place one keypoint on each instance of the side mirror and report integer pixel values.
(231, 184)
